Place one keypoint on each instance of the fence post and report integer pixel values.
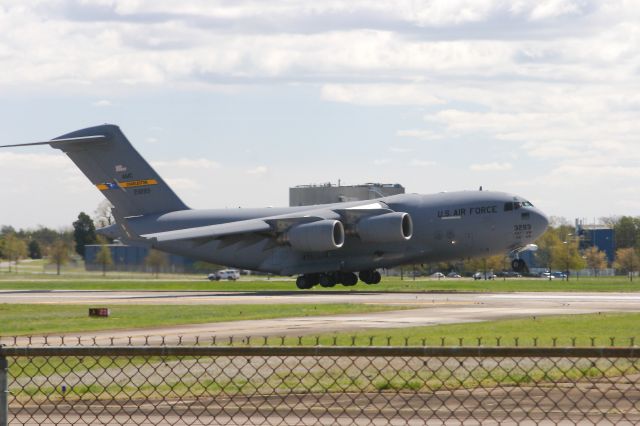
(4, 391)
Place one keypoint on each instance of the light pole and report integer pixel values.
(567, 259)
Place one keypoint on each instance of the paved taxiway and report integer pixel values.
(425, 309)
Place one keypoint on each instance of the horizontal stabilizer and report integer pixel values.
(55, 142)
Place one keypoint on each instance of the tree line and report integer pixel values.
(58, 247)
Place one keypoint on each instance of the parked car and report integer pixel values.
(225, 274)
(481, 276)
(509, 274)
(559, 274)
(437, 275)
(547, 275)
(454, 275)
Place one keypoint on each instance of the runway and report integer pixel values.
(425, 309)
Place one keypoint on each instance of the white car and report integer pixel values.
(487, 276)
(225, 274)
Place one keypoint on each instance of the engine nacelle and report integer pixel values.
(385, 228)
(322, 235)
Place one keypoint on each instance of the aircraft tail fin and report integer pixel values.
(113, 165)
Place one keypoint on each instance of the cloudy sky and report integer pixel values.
(234, 101)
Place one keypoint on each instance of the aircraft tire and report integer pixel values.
(348, 279)
(301, 283)
(515, 265)
(365, 276)
(376, 277)
(327, 280)
(312, 279)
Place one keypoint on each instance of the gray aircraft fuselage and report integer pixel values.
(446, 226)
(323, 244)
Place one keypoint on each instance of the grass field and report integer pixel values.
(47, 319)
(191, 283)
(566, 330)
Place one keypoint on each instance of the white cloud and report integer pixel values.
(381, 161)
(553, 8)
(189, 163)
(550, 85)
(491, 167)
(102, 103)
(422, 163)
(400, 149)
(12, 160)
(260, 170)
(380, 94)
(419, 134)
(185, 184)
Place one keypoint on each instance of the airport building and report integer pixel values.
(600, 236)
(596, 235)
(308, 195)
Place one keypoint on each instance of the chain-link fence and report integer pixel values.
(195, 385)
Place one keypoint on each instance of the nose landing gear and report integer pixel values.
(520, 266)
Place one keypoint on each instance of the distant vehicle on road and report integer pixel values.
(225, 274)
(559, 274)
(547, 275)
(437, 275)
(454, 275)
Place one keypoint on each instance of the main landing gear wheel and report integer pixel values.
(370, 277)
(301, 283)
(348, 279)
(305, 282)
(327, 280)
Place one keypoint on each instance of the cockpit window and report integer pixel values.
(516, 205)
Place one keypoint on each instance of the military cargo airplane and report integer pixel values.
(322, 244)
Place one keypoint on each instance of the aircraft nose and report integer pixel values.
(542, 221)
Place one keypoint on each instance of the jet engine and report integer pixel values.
(322, 235)
(385, 228)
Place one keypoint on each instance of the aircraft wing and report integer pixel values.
(211, 232)
(269, 226)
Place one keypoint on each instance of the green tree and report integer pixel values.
(156, 260)
(13, 249)
(103, 257)
(546, 245)
(627, 231)
(46, 237)
(59, 254)
(84, 232)
(596, 259)
(627, 261)
(565, 256)
(103, 215)
(35, 252)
